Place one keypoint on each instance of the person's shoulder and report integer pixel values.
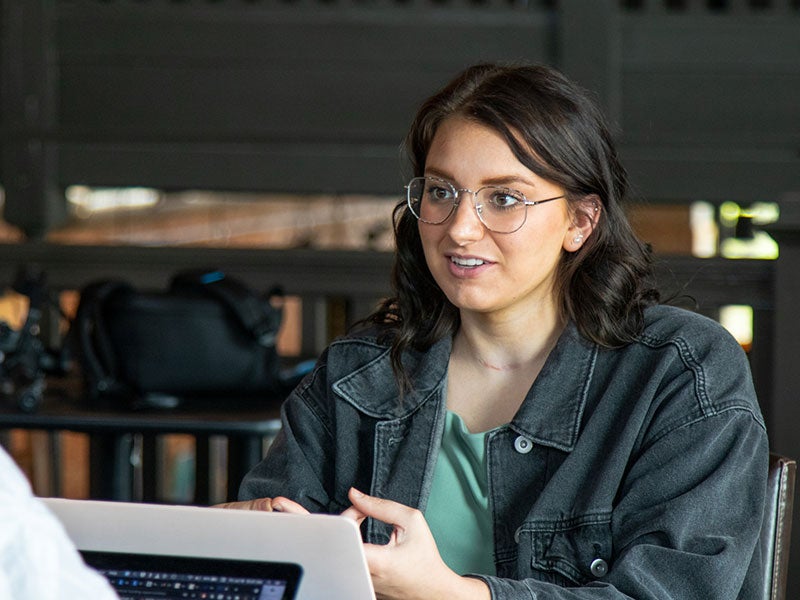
(371, 338)
(359, 346)
(672, 324)
(704, 347)
(683, 346)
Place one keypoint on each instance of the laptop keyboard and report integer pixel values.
(147, 585)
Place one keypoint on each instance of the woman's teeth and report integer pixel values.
(466, 262)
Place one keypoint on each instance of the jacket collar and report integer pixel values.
(550, 414)
(552, 411)
(372, 388)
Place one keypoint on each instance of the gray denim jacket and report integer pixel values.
(638, 472)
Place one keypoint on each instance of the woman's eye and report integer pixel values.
(440, 193)
(504, 199)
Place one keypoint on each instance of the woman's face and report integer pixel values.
(478, 270)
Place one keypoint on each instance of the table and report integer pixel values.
(246, 423)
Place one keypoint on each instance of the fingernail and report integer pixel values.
(357, 493)
(277, 506)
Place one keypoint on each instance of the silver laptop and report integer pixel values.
(307, 557)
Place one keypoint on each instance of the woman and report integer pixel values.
(522, 420)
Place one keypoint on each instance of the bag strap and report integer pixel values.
(99, 360)
(257, 315)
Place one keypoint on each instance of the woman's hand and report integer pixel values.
(409, 567)
(277, 504)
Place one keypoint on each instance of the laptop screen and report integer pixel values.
(146, 577)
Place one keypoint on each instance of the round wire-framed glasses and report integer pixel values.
(502, 210)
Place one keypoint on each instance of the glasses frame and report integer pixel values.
(457, 192)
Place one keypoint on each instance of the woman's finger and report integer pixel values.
(264, 504)
(284, 505)
(388, 511)
(354, 514)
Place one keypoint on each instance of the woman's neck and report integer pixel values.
(492, 367)
(504, 345)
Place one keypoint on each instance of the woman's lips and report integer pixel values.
(467, 266)
(466, 262)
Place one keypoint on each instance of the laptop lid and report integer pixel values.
(327, 548)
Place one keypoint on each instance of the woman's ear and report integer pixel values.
(585, 217)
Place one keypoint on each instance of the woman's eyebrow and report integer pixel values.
(437, 173)
(509, 180)
(499, 180)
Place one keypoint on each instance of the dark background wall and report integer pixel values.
(315, 96)
(302, 95)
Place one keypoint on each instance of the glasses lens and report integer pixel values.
(431, 199)
(501, 209)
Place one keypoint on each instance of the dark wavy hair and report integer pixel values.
(556, 131)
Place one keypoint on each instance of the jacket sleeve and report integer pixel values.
(300, 459)
(687, 519)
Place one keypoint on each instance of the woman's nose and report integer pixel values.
(464, 224)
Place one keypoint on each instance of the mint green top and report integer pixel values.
(458, 507)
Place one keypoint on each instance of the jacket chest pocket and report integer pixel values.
(572, 552)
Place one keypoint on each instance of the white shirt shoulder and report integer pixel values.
(37, 559)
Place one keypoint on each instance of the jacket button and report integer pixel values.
(516, 534)
(522, 444)
(599, 567)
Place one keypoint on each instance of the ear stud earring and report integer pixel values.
(578, 239)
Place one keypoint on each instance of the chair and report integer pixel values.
(776, 530)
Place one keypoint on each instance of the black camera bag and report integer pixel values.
(208, 335)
